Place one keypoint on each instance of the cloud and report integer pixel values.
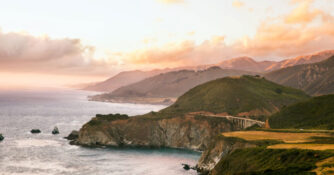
(20, 52)
(302, 13)
(182, 53)
(171, 1)
(304, 30)
(293, 34)
(237, 4)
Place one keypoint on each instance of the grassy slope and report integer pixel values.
(316, 113)
(270, 161)
(315, 79)
(281, 159)
(236, 95)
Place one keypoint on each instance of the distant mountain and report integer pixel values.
(238, 96)
(170, 84)
(305, 59)
(315, 79)
(246, 64)
(316, 113)
(240, 63)
(123, 79)
(249, 64)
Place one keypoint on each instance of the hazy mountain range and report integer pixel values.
(123, 79)
(240, 63)
(309, 73)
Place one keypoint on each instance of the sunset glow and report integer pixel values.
(84, 41)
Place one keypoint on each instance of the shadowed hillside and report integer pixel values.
(316, 113)
(315, 79)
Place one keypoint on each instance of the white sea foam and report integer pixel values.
(24, 143)
(38, 166)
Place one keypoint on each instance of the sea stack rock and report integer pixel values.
(186, 166)
(1, 137)
(35, 131)
(55, 130)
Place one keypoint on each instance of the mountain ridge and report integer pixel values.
(315, 78)
(243, 63)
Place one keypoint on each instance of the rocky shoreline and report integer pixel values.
(196, 133)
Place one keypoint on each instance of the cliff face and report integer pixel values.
(219, 148)
(189, 132)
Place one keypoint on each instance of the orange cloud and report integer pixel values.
(285, 37)
(237, 4)
(293, 34)
(302, 13)
(182, 53)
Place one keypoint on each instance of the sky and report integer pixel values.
(53, 43)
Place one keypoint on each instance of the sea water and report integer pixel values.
(24, 153)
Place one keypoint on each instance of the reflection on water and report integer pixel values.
(24, 153)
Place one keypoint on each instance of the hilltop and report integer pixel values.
(238, 96)
(246, 63)
(315, 113)
(315, 79)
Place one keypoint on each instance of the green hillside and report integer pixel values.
(239, 96)
(314, 79)
(316, 113)
(261, 161)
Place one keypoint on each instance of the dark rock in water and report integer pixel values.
(1, 137)
(35, 131)
(186, 166)
(55, 130)
(73, 136)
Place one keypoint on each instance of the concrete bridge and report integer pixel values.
(241, 122)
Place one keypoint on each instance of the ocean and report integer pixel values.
(23, 153)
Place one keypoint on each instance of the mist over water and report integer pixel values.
(24, 153)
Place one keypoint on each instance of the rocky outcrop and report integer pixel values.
(55, 130)
(1, 137)
(189, 132)
(220, 147)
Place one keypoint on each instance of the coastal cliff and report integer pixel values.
(188, 132)
(220, 147)
(193, 132)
